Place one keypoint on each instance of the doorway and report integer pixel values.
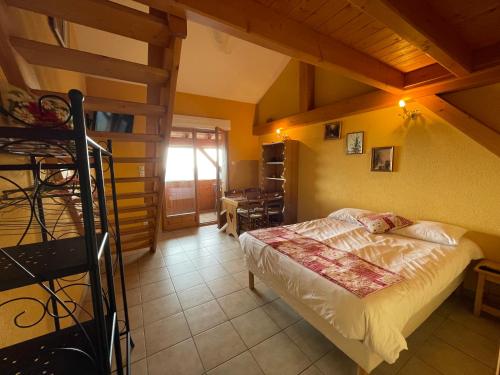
(195, 177)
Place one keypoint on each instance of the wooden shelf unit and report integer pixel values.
(279, 173)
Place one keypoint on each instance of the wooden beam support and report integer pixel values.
(427, 74)
(256, 23)
(418, 23)
(468, 125)
(78, 61)
(94, 103)
(342, 108)
(306, 86)
(17, 71)
(104, 15)
(479, 78)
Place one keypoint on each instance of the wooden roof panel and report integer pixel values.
(346, 23)
(477, 22)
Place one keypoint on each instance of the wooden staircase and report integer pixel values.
(140, 211)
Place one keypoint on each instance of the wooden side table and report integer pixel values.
(487, 271)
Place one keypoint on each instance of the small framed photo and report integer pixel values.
(382, 159)
(333, 129)
(354, 143)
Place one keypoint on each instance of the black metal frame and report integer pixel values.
(101, 334)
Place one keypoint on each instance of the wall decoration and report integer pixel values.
(382, 159)
(333, 130)
(354, 143)
(60, 30)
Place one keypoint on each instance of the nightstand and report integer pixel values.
(487, 270)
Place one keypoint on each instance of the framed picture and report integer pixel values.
(354, 143)
(332, 130)
(382, 159)
(60, 30)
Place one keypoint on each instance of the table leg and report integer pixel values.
(479, 294)
(251, 281)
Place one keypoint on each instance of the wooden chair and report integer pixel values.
(251, 215)
(253, 193)
(274, 211)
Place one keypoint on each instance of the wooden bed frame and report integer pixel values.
(366, 359)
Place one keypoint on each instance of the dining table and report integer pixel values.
(230, 206)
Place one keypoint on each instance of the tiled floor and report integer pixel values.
(192, 313)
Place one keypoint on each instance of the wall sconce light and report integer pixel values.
(408, 114)
(281, 134)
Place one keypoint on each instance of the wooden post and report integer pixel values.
(251, 281)
(306, 87)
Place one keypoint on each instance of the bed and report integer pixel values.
(372, 328)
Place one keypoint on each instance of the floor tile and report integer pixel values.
(312, 343)
(471, 343)
(171, 260)
(133, 298)
(134, 315)
(156, 290)
(154, 275)
(243, 364)
(187, 281)
(234, 266)
(337, 362)
(205, 316)
(282, 314)
(218, 344)
(160, 308)
(139, 350)
(221, 287)
(254, 327)
(483, 325)
(166, 332)
(195, 296)
(151, 261)
(313, 370)
(204, 261)
(450, 361)
(262, 294)
(213, 272)
(131, 282)
(180, 268)
(237, 303)
(279, 355)
(180, 359)
(417, 367)
(140, 367)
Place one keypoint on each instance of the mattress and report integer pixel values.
(378, 319)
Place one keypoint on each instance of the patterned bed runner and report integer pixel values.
(347, 270)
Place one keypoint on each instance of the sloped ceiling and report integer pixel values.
(212, 63)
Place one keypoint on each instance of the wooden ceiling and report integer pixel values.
(348, 24)
(476, 23)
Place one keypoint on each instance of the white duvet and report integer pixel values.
(378, 319)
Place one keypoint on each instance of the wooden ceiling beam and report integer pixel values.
(306, 86)
(17, 71)
(418, 23)
(342, 108)
(468, 125)
(379, 99)
(105, 15)
(84, 62)
(256, 23)
(426, 75)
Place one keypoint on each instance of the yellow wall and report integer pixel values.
(440, 174)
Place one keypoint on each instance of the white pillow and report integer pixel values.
(431, 231)
(351, 215)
